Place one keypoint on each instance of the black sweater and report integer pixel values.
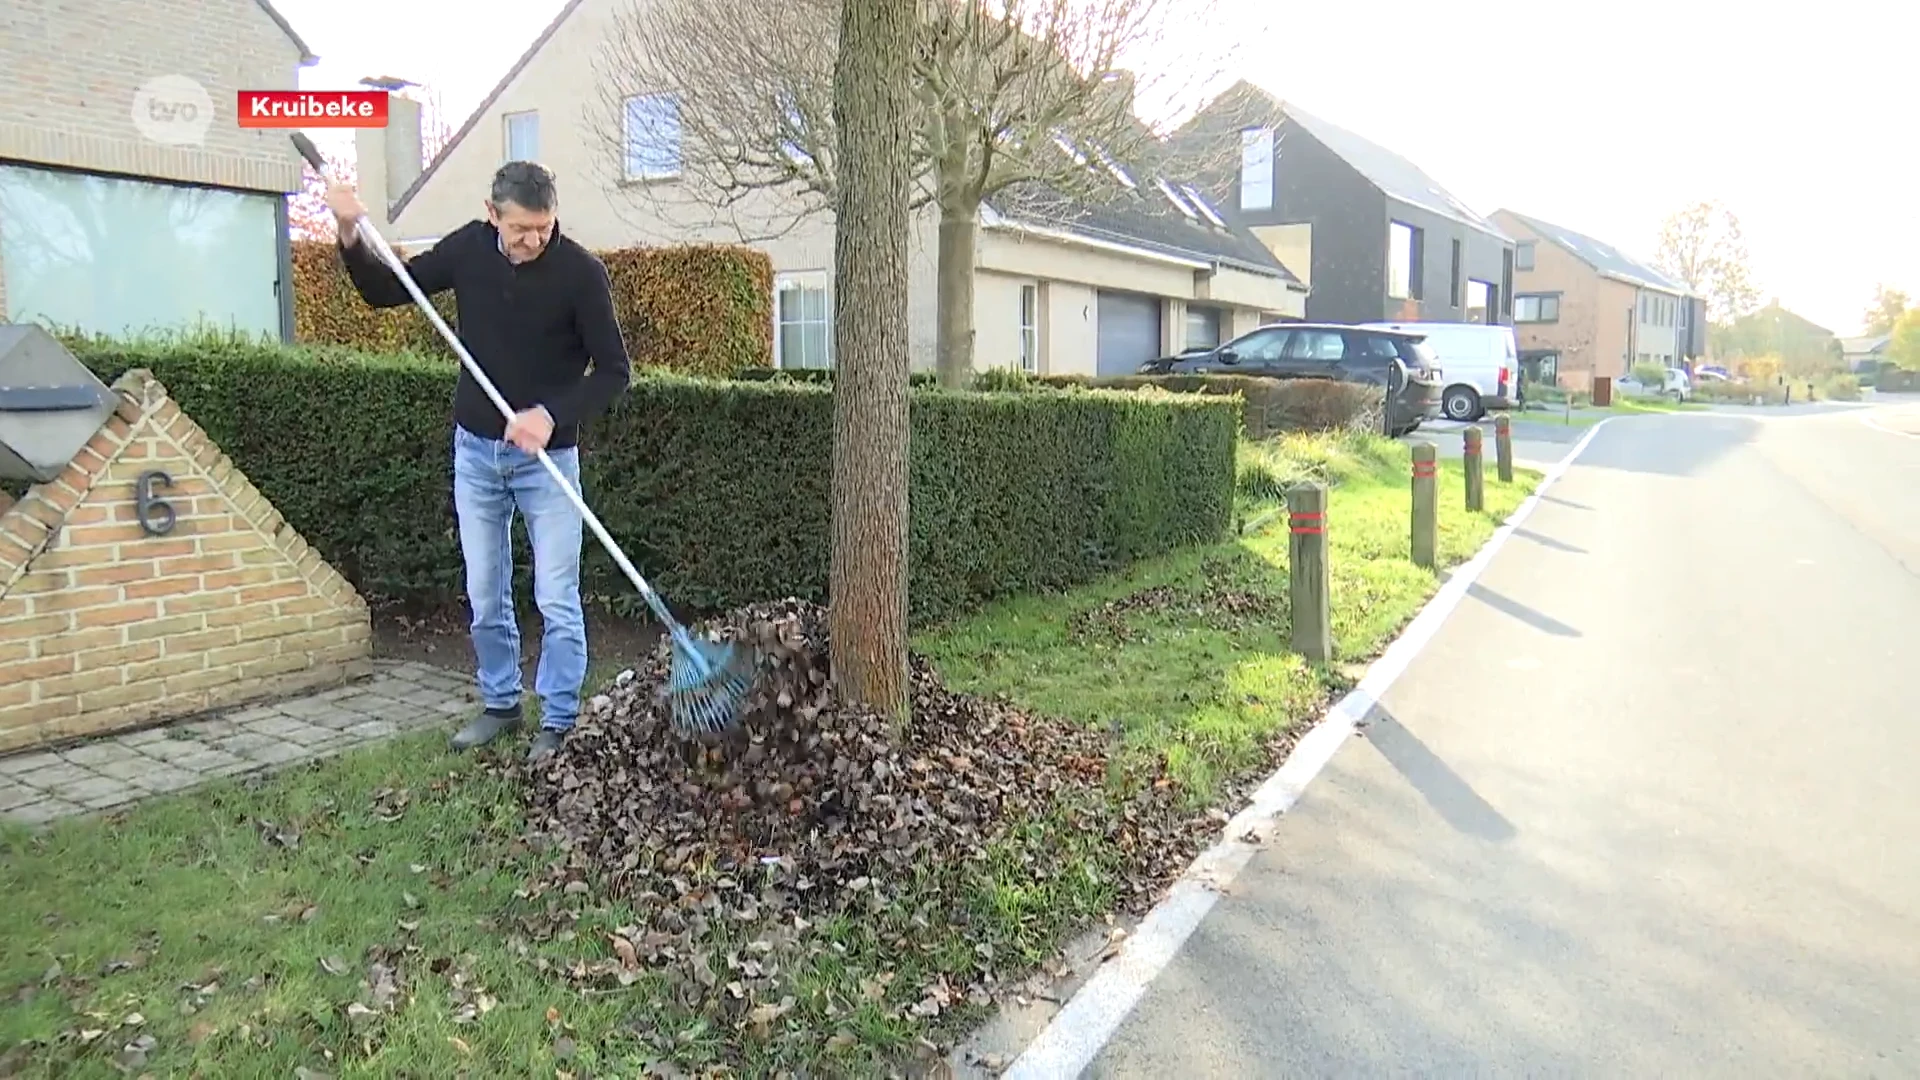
(532, 327)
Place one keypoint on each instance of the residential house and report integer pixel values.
(1865, 354)
(104, 227)
(1803, 346)
(1584, 308)
(1098, 290)
(1381, 239)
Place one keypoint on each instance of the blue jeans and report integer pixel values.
(492, 480)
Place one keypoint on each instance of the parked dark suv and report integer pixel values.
(1395, 359)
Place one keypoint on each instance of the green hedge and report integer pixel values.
(1271, 406)
(718, 490)
(702, 309)
(1896, 380)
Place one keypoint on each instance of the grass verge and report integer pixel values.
(367, 915)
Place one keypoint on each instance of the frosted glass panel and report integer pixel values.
(117, 256)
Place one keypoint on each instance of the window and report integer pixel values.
(803, 336)
(1453, 288)
(1479, 300)
(1540, 308)
(523, 136)
(1256, 169)
(1403, 261)
(1203, 327)
(1646, 310)
(109, 255)
(653, 137)
(1376, 347)
(1523, 255)
(1030, 328)
(1319, 346)
(1262, 344)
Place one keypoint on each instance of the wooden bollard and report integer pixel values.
(1476, 478)
(1311, 583)
(1426, 504)
(1503, 448)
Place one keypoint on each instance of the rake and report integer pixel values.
(708, 681)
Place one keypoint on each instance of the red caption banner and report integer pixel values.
(311, 108)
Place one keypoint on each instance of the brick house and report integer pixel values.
(1376, 238)
(107, 229)
(1158, 270)
(1584, 308)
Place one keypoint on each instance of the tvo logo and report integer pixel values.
(172, 109)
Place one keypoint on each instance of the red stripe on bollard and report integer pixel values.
(1425, 469)
(1305, 522)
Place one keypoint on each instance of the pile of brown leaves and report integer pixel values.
(814, 808)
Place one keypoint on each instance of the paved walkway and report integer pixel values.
(101, 774)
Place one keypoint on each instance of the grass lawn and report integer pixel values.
(1587, 415)
(365, 916)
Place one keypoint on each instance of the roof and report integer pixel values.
(480, 110)
(307, 59)
(1145, 219)
(1395, 176)
(1872, 343)
(1607, 259)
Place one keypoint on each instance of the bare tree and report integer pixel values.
(1702, 245)
(1026, 101)
(872, 112)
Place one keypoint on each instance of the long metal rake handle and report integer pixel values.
(369, 235)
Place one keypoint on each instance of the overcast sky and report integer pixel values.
(1598, 117)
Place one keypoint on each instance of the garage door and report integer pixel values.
(1129, 332)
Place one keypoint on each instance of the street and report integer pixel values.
(1645, 806)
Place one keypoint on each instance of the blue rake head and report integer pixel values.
(707, 685)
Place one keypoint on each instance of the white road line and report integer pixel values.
(1079, 1031)
(1867, 419)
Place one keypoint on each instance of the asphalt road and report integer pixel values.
(1648, 805)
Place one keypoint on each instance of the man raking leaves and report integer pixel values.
(536, 310)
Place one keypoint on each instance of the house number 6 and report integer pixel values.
(156, 514)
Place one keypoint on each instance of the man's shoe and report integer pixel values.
(487, 727)
(545, 745)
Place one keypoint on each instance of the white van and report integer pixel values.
(1479, 365)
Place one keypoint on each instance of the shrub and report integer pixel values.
(818, 376)
(719, 490)
(1271, 406)
(705, 309)
(1838, 386)
(1651, 376)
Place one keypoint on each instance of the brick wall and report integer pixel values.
(103, 627)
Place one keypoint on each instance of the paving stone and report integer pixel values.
(252, 715)
(137, 739)
(13, 796)
(94, 755)
(345, 714)
(45, 810)
(245, 743)
(275, 753)
(307, 708)
(21, 764)
(207, 730)
(307, 734)
(131, 769)
(162, 778)
(279, 726)
(373, 729)
(211, 763)
(172, 749)
(54, 777)
(99, 792)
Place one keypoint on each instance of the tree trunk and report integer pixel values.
(870, 434)
(953, 355)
